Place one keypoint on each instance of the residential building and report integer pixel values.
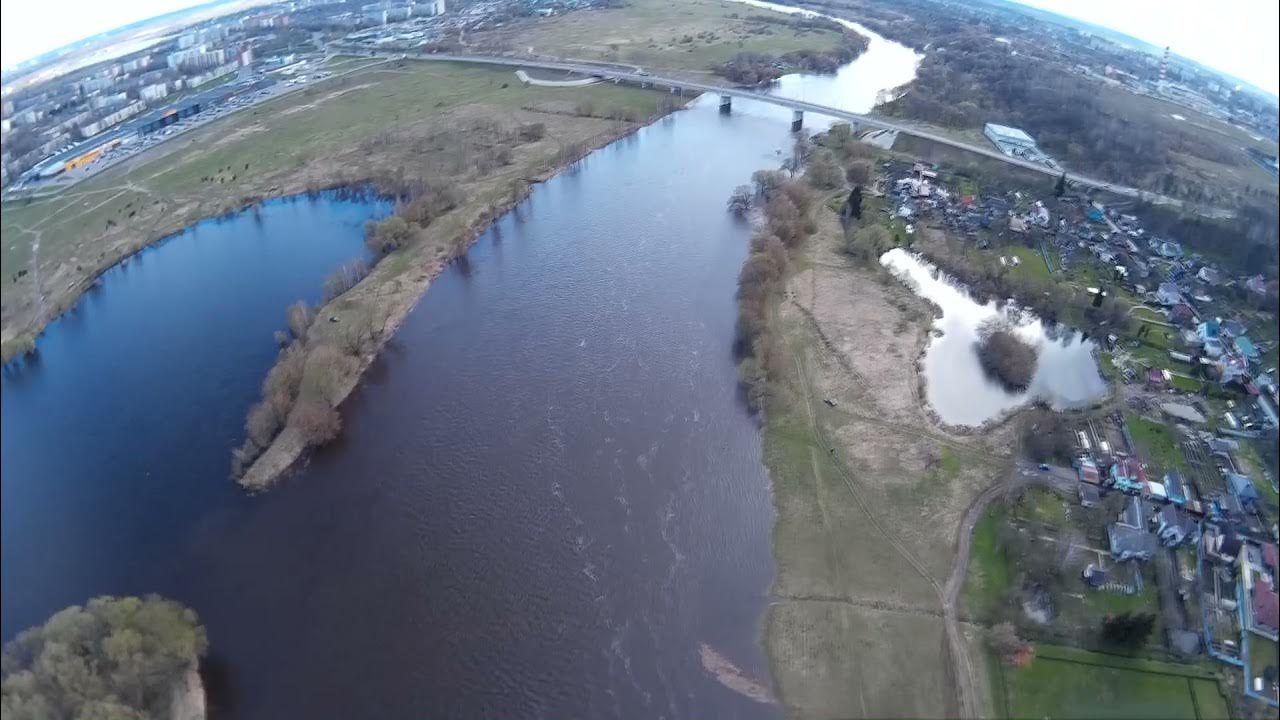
(1128, 536)
(1169, 294)
(1089, 495)
(1261, 607)
(1221, 545)
(1245, 347)
(1242, 488)
(1175, 527)
(1128, 475)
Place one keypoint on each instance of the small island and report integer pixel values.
(128, 658)
(1005, 356)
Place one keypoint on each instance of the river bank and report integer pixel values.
(394, 285)
(869, 491)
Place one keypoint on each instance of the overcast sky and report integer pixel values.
(1236, 36)
(1239, 37)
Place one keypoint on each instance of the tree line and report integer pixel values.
(118, 658)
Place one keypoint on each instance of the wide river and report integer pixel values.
(548, 494)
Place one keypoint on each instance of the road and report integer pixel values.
(616, 73)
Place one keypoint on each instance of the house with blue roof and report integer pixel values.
(1175, 487)
(1242, 488)
(1245, 347)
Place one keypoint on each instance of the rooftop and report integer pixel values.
(1011, 133)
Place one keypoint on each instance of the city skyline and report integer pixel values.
(1228, 41)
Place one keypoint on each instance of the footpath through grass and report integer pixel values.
(1068, 683)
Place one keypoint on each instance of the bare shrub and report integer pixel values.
(345, 278)
(1005, 356)
(823, 171)
(388, 235)
(532, 132)
(280, 388)
(299, 317)
(784, 219)
(326, 372)
(262, 424)
(740, 200)
(315, 422)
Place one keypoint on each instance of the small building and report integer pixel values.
(1210, 276)
(1089, 495)
(1128, 543)
(1128, 537)
(1222, 545)
(1245, 347)
(1263, 616)
(1170, 249)
(1129, 476)
(1242, 487)
(1005, 137)
(1185, 413)
(1175, 488)
(1169, 294)
(1233, 328)
(1094, 576)
(1155, 378)
(1087, 470)
(1175, 527)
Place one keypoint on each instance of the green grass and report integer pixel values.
(1262, 652)
(1210, 703)
(1156, 444)
(673, 34)
(1032, 263)
(988, 567)
(1044, 506)
(1186, 384)
(1066, 682)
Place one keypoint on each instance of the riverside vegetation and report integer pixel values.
(868, 489)
(120, 658)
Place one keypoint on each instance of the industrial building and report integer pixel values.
(1016, 143)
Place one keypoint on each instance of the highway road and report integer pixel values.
(620, 74)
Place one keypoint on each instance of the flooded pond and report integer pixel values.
(957, 388)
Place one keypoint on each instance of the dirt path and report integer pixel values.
(1020, 476)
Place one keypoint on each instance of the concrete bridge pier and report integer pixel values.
(726, 104)
(797, 120)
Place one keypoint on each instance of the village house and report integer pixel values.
(1175, 527)
(1128, 536)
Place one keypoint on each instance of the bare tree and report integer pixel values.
(262, 424)
(316, 422)
(740, 200)
(299, 317)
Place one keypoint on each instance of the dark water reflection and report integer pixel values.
(547, 495)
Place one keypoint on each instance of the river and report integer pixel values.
(548, 495)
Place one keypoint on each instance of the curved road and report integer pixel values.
(615, 73)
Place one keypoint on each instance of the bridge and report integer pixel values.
(859, 121)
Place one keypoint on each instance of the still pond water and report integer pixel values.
(956, 386)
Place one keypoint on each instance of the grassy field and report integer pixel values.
(689, 35)
(1156, 445)
(988, 568)
(1069, 683)
(402, 120)
(869, 495)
